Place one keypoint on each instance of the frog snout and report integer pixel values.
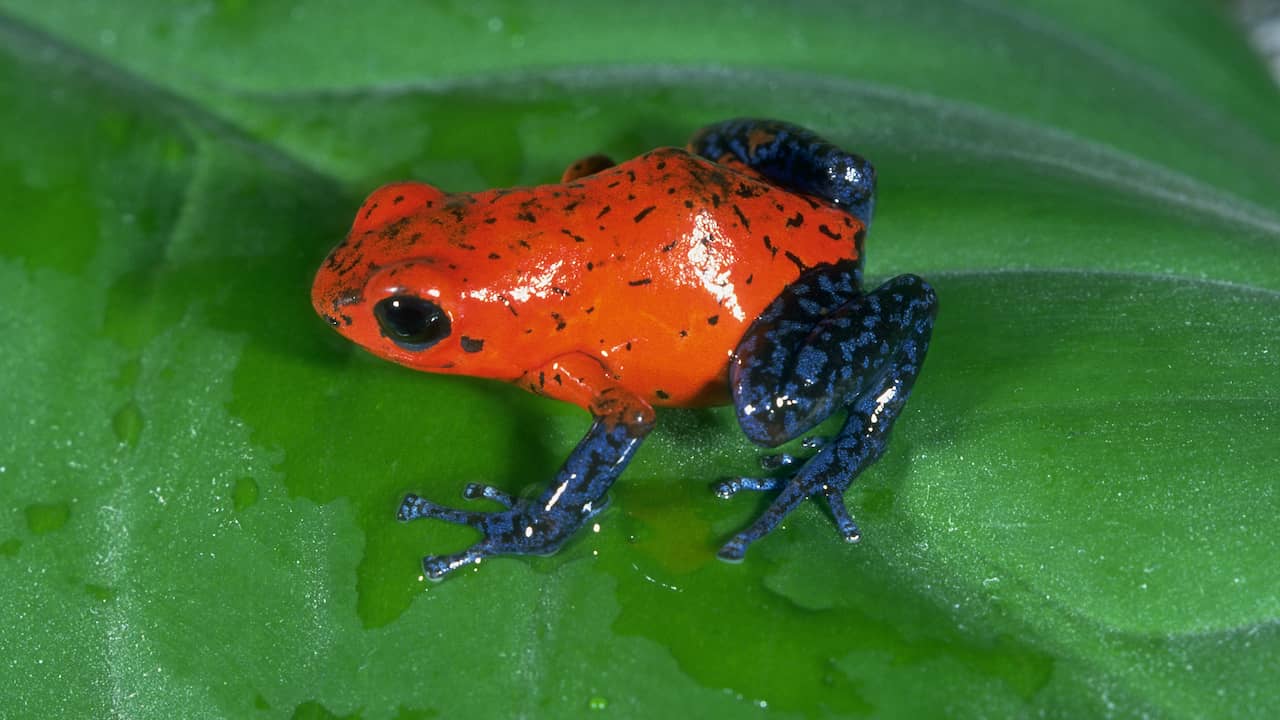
(330, 295)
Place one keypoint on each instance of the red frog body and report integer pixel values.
(653, 267)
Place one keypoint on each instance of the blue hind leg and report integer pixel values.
(794, 158)
(823, 346)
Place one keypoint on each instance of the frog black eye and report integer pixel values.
(411, 322)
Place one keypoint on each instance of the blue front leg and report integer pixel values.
(823, 346)
(541, 526)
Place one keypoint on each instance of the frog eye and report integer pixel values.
(411, 322)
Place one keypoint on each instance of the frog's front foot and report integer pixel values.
(521, 529)
(539, 526)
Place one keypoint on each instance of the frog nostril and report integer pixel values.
(348, 297)
(411, 322)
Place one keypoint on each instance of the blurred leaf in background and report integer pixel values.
(1076, 517)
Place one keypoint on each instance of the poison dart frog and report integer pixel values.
(727, 271)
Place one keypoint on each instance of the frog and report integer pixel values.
(727, 271)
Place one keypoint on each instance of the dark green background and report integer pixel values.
(1077, 516)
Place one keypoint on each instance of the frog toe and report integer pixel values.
(414, 507)
(436, 567)
(474, 491)
(734, 550)
(847, 528)
(729, 487)
(791, 496)
(778, 461)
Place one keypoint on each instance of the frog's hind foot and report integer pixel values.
(794, 491)
(786, 462)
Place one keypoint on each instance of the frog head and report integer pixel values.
(384, 287)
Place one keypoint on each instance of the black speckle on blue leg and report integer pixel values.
(794, 158)
(820, 347)
(539, 526)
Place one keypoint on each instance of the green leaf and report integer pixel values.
(198, 479)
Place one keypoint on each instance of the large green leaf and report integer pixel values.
(1077, 515)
